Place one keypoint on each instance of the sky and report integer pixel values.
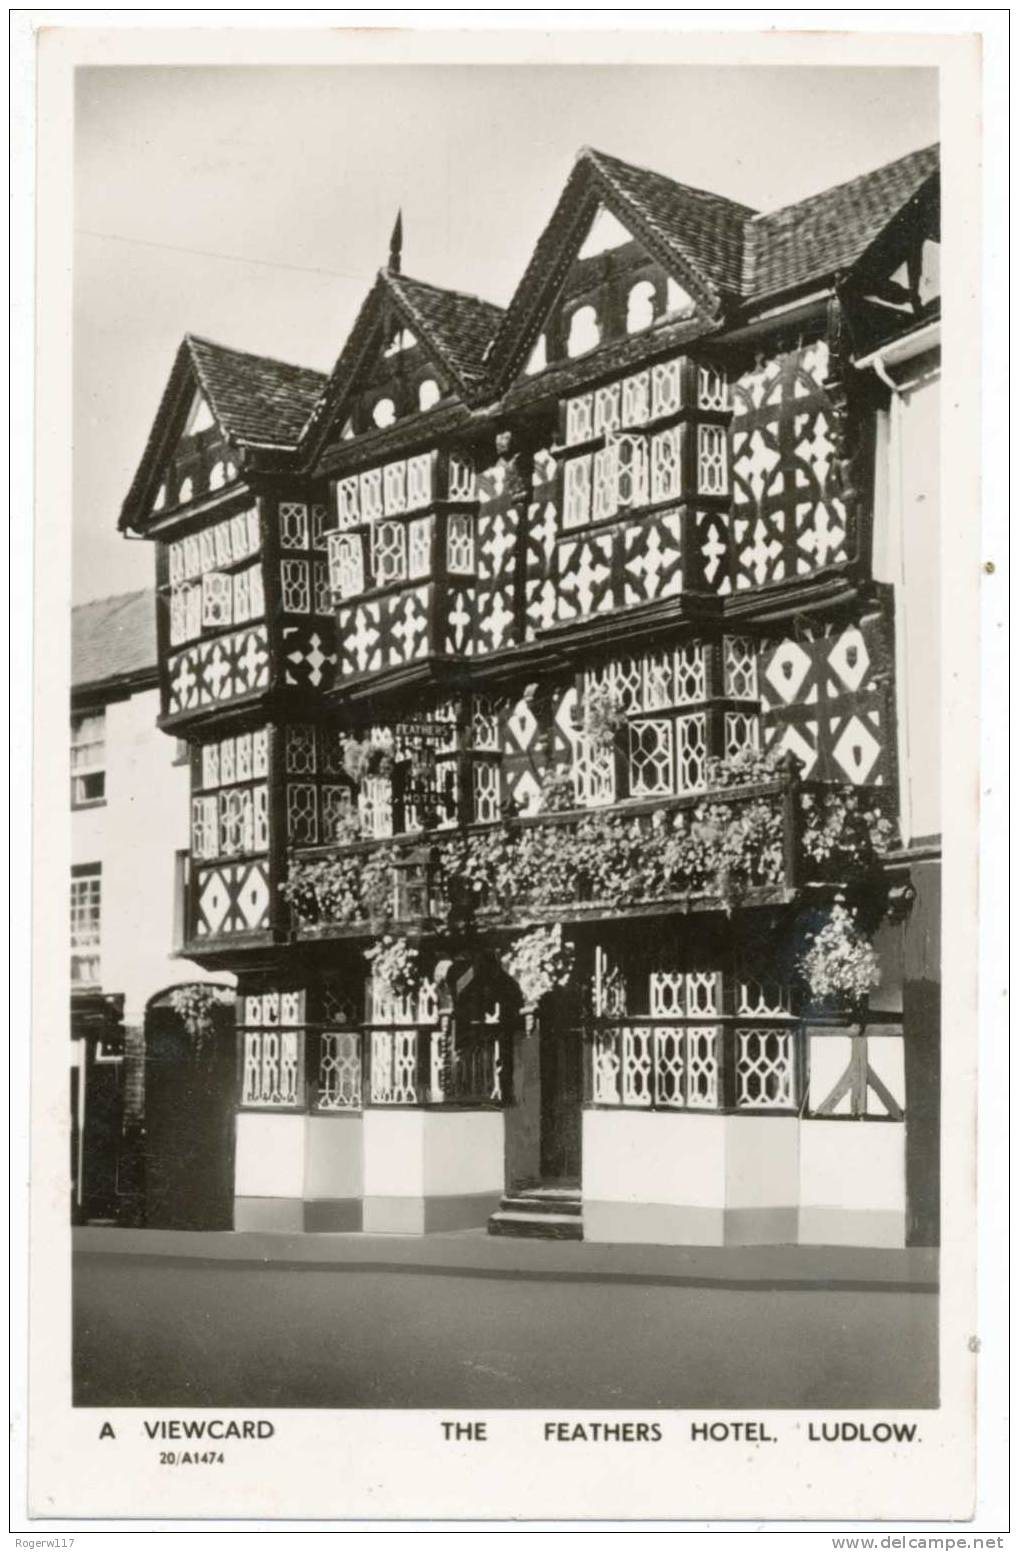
(254, 205)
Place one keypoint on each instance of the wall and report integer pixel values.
(135, 835)
(906, 554)
(680, 1178)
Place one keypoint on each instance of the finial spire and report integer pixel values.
(396, 244)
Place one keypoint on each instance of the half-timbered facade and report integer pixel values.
(543, 693)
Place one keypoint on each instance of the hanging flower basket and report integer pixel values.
(195, 1005)
(539, 962)
(840, 966)
(395, 966)
(603, 716)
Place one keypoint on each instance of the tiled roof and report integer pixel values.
(702, 229)
(457, 326)
(829, 231)
(255, 399)
(111, 637)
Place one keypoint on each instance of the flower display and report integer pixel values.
(395, 966)
(539, 961)
(840, 965)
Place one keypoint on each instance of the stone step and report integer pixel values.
(526, 1201)
(536, 1225)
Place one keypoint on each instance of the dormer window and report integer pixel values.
(640, 307)
(429, 393)
(585, 333)
(383, 413)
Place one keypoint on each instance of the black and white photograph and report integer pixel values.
(506, 552)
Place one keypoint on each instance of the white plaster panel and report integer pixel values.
(393, 1152)
(654, 1156)
(270, 1155)
(828, 1059)
(463, 1152)
(886, 1055)
(762, 1161)
(853, 1164)
(334, 1161)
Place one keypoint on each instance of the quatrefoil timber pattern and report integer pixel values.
(788, 516)
(212, 672)
(387, 632)
(620, 568)
(825, 699)
(309, 655)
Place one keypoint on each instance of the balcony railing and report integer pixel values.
(755, 844)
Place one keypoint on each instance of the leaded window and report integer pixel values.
(301, 760)
(666, 464)
(339, 1070)
(632, 471)
(462, 482)
(389, 547)
(272, 1068)
(293, 517)
(691, 752)
(636, 407)
(666, 389)
(394, 488)
(712, 389)
(742, 733)
(712, 468)
(371, 495)
(217, 599)
(295, 586)
(606, 409)
(651, 758)
(346, 564)
(486, 791)
(605, 483)
(323, 600)
(765, 1070)
(739, 659)
(577, 491)
(302, 813)
(204, 826)
(460, 543)
(348, 501)
(419, 480)
(579, 419)
(419, 547)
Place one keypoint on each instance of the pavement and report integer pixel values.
(165, 1318)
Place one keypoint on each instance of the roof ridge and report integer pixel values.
(429, 285)
(250, 355)
(847, 183)
(109, 598)
(591, 153)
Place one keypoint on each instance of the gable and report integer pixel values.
(199, 461)
(897, 283)
(612, 289)
(397, 376)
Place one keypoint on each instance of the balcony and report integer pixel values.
(720, 849)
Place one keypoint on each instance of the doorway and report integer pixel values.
(562, 1094)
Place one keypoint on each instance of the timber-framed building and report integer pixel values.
(556, 687)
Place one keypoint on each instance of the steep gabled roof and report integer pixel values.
(113, 638)
(696, 236)
(256, 401)
(830, 231)
(455, 329)
(700, 229)
(459, 328)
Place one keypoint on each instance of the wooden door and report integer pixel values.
(189, 1124)
(561, 1096)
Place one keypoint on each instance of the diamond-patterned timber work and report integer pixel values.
(233, 898)
(788, 516)
(628, 565)
(826, 699)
